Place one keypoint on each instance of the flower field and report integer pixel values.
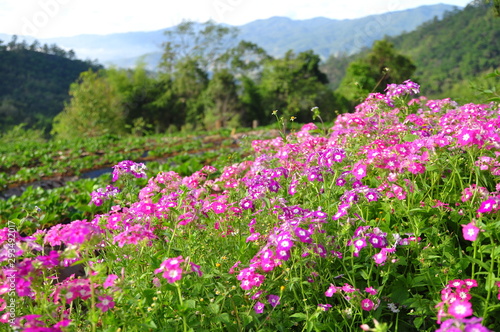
(387, 221)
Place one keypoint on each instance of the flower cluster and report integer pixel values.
(408, 87)
(368, 300)
(172, 269)
(98, 196)
(138, 170)
(455, 307)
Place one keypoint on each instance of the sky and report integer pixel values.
(61, 18)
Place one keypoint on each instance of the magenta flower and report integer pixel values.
(50, 261)
(218, 207)
(110, 281)
(128, 166)
(259, 307)
(106, 303)
(371, 290)
(380, 258)
(359, 171)
(470, 231)
(367, 304)
(273, 300)
(486, 206)
(196, 269)
(359, 244)
(324, 307)
(331, 290)
(173, 275)
(171, 269)
(303, 235)
(460, 309)
(253, 237)
(371, 195)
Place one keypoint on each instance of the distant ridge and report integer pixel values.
(276, 35)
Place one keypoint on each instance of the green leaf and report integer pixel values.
(214, 308)
(300, 315)
(190, 304)
(418, 322)
(480, 263)
(224, 318)
(410, 137)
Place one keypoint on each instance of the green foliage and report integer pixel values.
(222, 102)
(95, 109)
(21, 133)
(34, 85)
(449, 53)
(383, 65)
(293, 84)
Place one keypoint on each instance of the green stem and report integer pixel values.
(181, 302)
(488, 296)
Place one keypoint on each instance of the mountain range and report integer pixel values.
(276, 35)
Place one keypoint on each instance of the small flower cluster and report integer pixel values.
(273, 300)
(367, 302)
(98, 196)
(127, 166)
(408, 87)
(455, 305)
(171, 269)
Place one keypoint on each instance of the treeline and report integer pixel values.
(34, 81)
(36, 46)
(205, 81)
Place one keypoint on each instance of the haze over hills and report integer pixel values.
(276, 35)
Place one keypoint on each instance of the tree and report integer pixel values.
(147, 99)
(245, 59)
(382, 66)
(222, 103)
(189, 81)
(203, 43)
(95, 109)
(292, 84)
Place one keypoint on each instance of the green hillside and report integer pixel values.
(449, 53)
(454, 51)
(34, 84)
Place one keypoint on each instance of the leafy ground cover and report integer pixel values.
(25, 161)
(388, 223)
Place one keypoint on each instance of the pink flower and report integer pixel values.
(359, 171)
(106, 303)
(218, 207)
(330, 291)
(371, 290)
(380, 258)
(253, 237)
(259, 307)
(460, 309)
(324, 307)
(196, 269)
(110, 281)
(487, 205)
(470, 231)
(171, 269)
(173, 275)
(367, 304)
